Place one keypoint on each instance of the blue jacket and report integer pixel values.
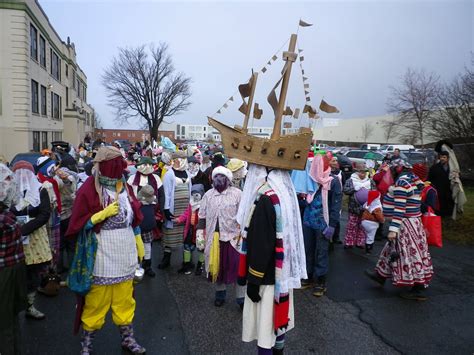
(313, 216)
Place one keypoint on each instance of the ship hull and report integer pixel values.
(288, 152)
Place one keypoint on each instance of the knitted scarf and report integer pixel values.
(281, 300)
(42, 178)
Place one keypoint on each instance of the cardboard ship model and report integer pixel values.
(287, 151)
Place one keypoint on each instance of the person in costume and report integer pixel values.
(45, 167)
(34, 208)
(107, 211)
(217, 159)
(273, 256)
(429, 195)
(372, 215)
(145, 176)
(191, 218)
(336, 173)
(197, 175)
(12, 267)
(355, 234)
(147, 198)
(217, 219)
(405, 258)
(320, 219)
(239, 171)
(177, 188)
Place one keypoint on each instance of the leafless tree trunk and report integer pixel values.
(143, 84)
(367, 130)
(414, 102)
(454, 119)
(390, 129)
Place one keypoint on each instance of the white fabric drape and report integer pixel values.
(294, 264)
(27, 181)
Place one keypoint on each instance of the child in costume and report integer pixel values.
(372, 215)
(147, 197)
(106, 214)
(190, 218)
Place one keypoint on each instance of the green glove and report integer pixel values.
(109, 211)
(140, 247)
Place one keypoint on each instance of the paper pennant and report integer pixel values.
(306, 93)
(288, 111)
(231, 98)
(219, 111)
(264, 70)
(302, 71)
(257, 112)
(225, 105)
(308, 99)
(301, 58)
(269, 63)
(305, 78)
(300, 50)
(274, 57)
(306, 86)
(297, 113)
(305, 24)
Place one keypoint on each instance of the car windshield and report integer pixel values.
(384, 147)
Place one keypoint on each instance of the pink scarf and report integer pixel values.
(323, 178)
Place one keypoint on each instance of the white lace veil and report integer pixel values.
(294, 265)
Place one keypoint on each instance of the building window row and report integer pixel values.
(40, 139)
(56, 106)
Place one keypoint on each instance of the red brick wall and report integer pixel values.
(110, 135)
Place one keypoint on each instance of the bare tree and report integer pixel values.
(414, 102)
(143, 84)
(367, 130)
(389, 129)
(455, 117)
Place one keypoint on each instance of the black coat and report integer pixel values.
(439, 178)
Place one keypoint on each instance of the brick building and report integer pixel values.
(132, 135)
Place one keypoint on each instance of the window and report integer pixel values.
(55, 106)
(84, 93)
(44, 140)
(33, 42)
(36, 141)
(67, 70)
(34, 97)
(43, 100)
(55, 65)
(42, 52)
(114, 134)
(118, 134)
(74, 80)
(57, 136)
(183, 132)
(78, 86)
(67, 96)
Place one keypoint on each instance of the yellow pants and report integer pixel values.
(101, 297)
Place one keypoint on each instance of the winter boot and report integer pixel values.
(128, 340)
(31, 311)
(320, 288)
(148, 270)
(199, 269)
(165, 262)
(374, 276)
(415, 294)
(86, 341)
(368, 248)
(184, 268)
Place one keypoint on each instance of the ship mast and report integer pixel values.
(289, 57)
(253, 84)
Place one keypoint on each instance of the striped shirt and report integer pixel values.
(403, 202)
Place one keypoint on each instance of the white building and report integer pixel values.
(43, 91)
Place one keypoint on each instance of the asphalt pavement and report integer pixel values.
(176, 315)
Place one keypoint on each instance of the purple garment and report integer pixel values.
(228, 263)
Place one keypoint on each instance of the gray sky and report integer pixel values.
(354, 51)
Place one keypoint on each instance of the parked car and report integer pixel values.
(370, 146)
(390, 148)
(414, 157)
(124, 143)
(30, 157)
(358, 156)
(345, 164)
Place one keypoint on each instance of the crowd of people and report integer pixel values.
(88, 218)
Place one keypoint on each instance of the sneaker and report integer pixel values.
(306, 283)
(319, 290)
(33, 313)
(374, 276)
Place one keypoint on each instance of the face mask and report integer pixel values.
(145, 169)
(193, 169)
(220, 183)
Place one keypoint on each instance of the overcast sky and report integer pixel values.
(354, 51)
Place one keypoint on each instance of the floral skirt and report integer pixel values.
(414, 265)
(38, 251)
(355, 234)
